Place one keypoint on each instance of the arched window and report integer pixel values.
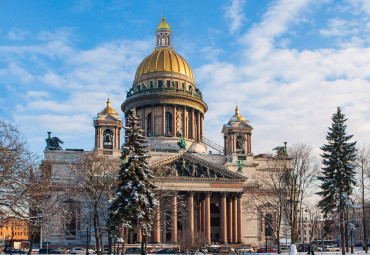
(240, 144)
(108, 139)
(168, 124)
(149, 125)
(268, 224)
(70, 217)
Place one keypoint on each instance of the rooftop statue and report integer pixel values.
(240, 165)
(281, 151)
(52, 143)
(182, 143)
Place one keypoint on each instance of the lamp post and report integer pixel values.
(87, 238)
(266, 230)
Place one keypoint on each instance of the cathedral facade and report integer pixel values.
(201, 194)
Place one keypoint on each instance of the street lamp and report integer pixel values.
(87, 238)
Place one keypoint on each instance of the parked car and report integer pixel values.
(226, 249)
(269, 250)
(7, 250)
(213, 249)
(167, 251)
(49, 251)
(245, 249)
(331, 248)
(78, 250)
(203, 250)
(63, 250)
(133, 250)
(104, 251)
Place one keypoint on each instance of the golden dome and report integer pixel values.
(108, 109)
(163, 25)
(237, 115)
(164, 60)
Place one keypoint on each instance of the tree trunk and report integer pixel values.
(31, 244)
(363, 210)
(342, 235)
(346, 229)
(143, 243)
(109, 244)
(278, 233)
(124, 237)
(96, 230)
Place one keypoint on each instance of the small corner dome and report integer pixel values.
(108, 109)
(236, 117)
(163, 25)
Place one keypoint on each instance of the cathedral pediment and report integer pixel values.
(188, 166)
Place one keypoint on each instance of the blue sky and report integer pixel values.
(288, 64)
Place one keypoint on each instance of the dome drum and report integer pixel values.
(166, 97)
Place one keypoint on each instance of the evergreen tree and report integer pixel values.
(134, 201)
(338, 172)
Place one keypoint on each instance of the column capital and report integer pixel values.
(239, 194)
(224, 194)
(191, 193)
(207, 194)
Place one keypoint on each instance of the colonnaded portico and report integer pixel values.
(198, 198)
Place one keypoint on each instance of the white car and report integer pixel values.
(78, 250)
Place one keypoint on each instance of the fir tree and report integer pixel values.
(134, 201)
(338, 172)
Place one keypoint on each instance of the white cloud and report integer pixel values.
(16, 34)
(275, 22)
(235, 13)
(288, 95)
(339, 27)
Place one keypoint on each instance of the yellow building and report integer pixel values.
(14, 230)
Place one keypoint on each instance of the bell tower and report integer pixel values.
(237, 137)
(108, 131)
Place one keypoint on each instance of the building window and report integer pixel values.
(137, 88)
(168, 124)
(149, 125)
(268, 225)
(108, 139)
(160, 84)
(168, 84)
(70, 218)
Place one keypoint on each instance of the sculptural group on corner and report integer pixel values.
(53, 143)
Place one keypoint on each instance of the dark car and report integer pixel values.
(167, 251)
(9, 250)
(49, 251)
(63, 250)
(133, 250)
(263, 250)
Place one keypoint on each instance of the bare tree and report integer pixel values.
(95, 175)
(299, 180)
(271, 195)
(363, 170)
(16, 163)
(23, 186)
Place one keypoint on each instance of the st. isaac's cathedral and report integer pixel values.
(219, 192)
